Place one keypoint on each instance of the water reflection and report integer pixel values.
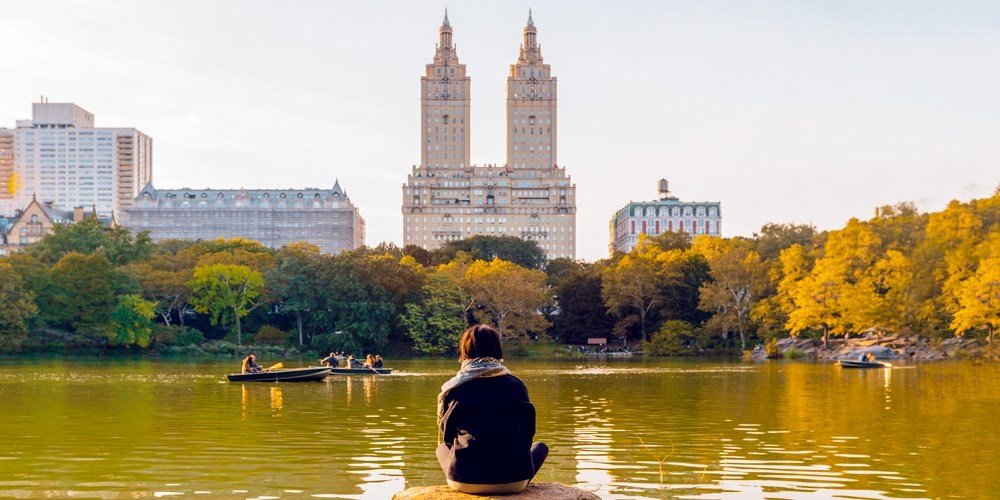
(649, 429)
(592, 435)
(276, 400)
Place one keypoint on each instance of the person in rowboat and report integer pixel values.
(378, 361)
(330, 361)
(353, 363)
(250, 364)
(486, 422)
(369, 361)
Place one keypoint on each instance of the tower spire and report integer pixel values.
(530, 21)
(530, 35)
(445, 33)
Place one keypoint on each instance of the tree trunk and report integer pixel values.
(180, 314)
(826, 337)
(239, 330)
(642, 324)
(299, 314)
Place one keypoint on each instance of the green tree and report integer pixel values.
(352, 303)
(84, 291)
(401, 278)
(37, 277)
(291, 285)
(17, 302)
(524, 253)
(89, 236)
(581, 312)
(435, 323)
(164, 277)
(130, 321)
(225, 292)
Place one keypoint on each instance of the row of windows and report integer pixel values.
(675, 211)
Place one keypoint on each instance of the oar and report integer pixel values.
(275, 367)
(372, 368)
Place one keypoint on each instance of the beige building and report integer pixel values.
(275, 217)
(531, 197)
(61, 157)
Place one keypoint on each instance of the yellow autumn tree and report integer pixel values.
(738, 281)
(978, 296)
(834, 295)
(508, 295)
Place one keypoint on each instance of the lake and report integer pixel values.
(643, 428)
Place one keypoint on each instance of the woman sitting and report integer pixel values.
(250, 364)
(486, 421)
(378, 361)
(369, 361)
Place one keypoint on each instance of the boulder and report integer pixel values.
(535, 491)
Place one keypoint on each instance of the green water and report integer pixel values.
(623, 429)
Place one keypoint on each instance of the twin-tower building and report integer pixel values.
(447, 198)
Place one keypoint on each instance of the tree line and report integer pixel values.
(928, 274)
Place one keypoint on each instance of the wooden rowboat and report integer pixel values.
(360, 371)
(846, 363)
(308, 374)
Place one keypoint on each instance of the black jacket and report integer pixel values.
(488, 425)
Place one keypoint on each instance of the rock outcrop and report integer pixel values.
(888, 347)
(535, 491)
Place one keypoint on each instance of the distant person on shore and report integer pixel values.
(486, 421)
(330, 361)
(250, 364)
(378, 361)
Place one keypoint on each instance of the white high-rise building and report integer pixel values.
(59, 156)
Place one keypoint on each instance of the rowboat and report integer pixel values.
(360, 371)
(846, 363)
(307, 374)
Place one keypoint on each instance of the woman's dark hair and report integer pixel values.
(479, 341)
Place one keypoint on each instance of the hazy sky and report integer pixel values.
(785, 111)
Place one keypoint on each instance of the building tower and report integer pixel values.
(530, 197)
(444, 107)
(531, 107)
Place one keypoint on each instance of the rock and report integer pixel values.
(535, 491)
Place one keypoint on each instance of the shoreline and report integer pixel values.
(886, 347)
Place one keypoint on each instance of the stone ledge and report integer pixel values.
(535, 491)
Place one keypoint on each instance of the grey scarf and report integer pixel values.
(471, 370)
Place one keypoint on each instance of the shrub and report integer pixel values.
(674, 338)
(271, 335)
(794, 353)
(176, 335)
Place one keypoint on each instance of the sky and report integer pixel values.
(803, 112)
